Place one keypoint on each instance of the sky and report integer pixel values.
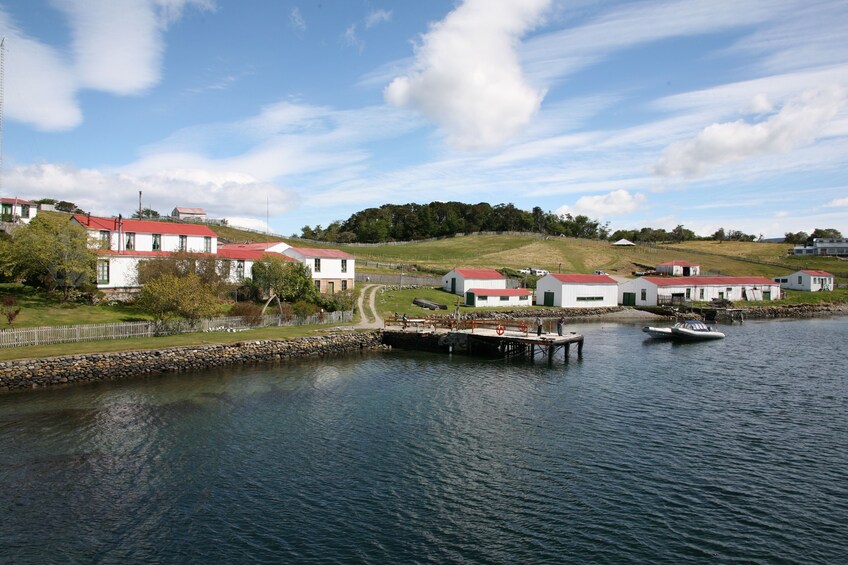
(277, 114)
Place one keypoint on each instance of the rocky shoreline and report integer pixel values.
(53, 371)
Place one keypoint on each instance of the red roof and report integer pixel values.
(817, 273)
(480, 274)
(501, 291)
(142, 226)
(678, 263)
(228, 252)
(322, 253)
(125, 253)
(254, 246)
(709, 281)
(584, 279)
(16, 201)
(181, 210)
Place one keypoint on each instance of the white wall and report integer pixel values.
(496, 302)
(463, 285)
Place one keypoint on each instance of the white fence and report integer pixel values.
(48, 335)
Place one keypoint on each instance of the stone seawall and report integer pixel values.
(36, 373)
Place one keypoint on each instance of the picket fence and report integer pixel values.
(48, 335)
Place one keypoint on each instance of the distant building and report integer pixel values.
(679, 269)
(623, 243)
(332, 270)
(654, 291)
(806, 280)
(576, 291)
(824, 246)
(189, 214)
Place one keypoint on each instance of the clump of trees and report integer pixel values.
(802, 238)
(50, 253)
(407, 222)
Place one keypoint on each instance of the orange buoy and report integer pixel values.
(522, 327)
(500, 329)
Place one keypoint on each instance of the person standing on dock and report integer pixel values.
(538, 325)
(560, 322)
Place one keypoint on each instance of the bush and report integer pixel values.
(249, 312)
(303, 309)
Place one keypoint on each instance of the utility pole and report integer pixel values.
(2, 96)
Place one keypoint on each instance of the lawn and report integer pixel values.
(40, 309)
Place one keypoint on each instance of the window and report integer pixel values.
(592, 298)
(102, 271)
(318, 286)
(317, 268)
(331, 287)
(207, 244)
(344, 265)
(344, 285)
(523, 297)
(729, 291)
(482, 298)
(504, 298)
(240, 269)
(183, 243)
(157, 242)
(105, 236)
(688, 293)
(644, 294)
(130, 243)
(701, 294)
(24, 210)
(799, 279)
(7, 211)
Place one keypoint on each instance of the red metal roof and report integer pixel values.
(709, 281)
(584, 279)
(254, 246)
(16, 201)
(501, 291)
(817, 273)
(314, 252)
(480, 274)
(228, 252)
(142, 226)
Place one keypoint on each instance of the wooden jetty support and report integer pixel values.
(503, 338)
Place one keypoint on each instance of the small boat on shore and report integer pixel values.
(690, 330)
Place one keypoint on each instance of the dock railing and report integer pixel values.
(429, 325)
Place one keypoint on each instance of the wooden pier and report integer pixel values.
(504, 338)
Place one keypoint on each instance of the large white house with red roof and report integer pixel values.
(679, 269)
(332, 270)
(652, 291)
(806, 280)
(576, 291)
(17, 210)
(460, 281)
(121, 234)
(239, 258)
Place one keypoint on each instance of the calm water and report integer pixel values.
(735, 450)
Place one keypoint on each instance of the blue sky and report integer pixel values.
(648, 113)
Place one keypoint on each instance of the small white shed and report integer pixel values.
(460, 281)
(806, 280)
(576, 291)
(624, 243)
(497, 297)
(679, 269)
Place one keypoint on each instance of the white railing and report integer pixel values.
(48, 335)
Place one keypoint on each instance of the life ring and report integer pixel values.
(522, 327)
(500, 329)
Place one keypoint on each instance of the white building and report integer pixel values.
(497, 297)
(824, 246)
(332, 270)
(624, 243)
(679, 269)
(653, 291)
(120, 234)
(576, 291)
(190, 214)
(460, 281)
(17, 210)
(806, 280)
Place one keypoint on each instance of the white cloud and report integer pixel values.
(838, 202)
(296, 19)
(798, 123)
(615, 203)
(351, 39)
(116, 47)
(467, 77)
(377, 17)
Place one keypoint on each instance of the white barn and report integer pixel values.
(679, 269)
(460, 281)
(497, 297)
(806, 280)
(653, 291)
(576, 291)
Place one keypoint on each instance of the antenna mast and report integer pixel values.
(2, 89)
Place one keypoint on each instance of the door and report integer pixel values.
(766, 295)
(453, 285)
(469, 299)
(629, 299)
(549, 298)
(331, 287)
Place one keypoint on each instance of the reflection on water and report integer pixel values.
(641, 450)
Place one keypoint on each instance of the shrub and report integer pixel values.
(249, 312)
